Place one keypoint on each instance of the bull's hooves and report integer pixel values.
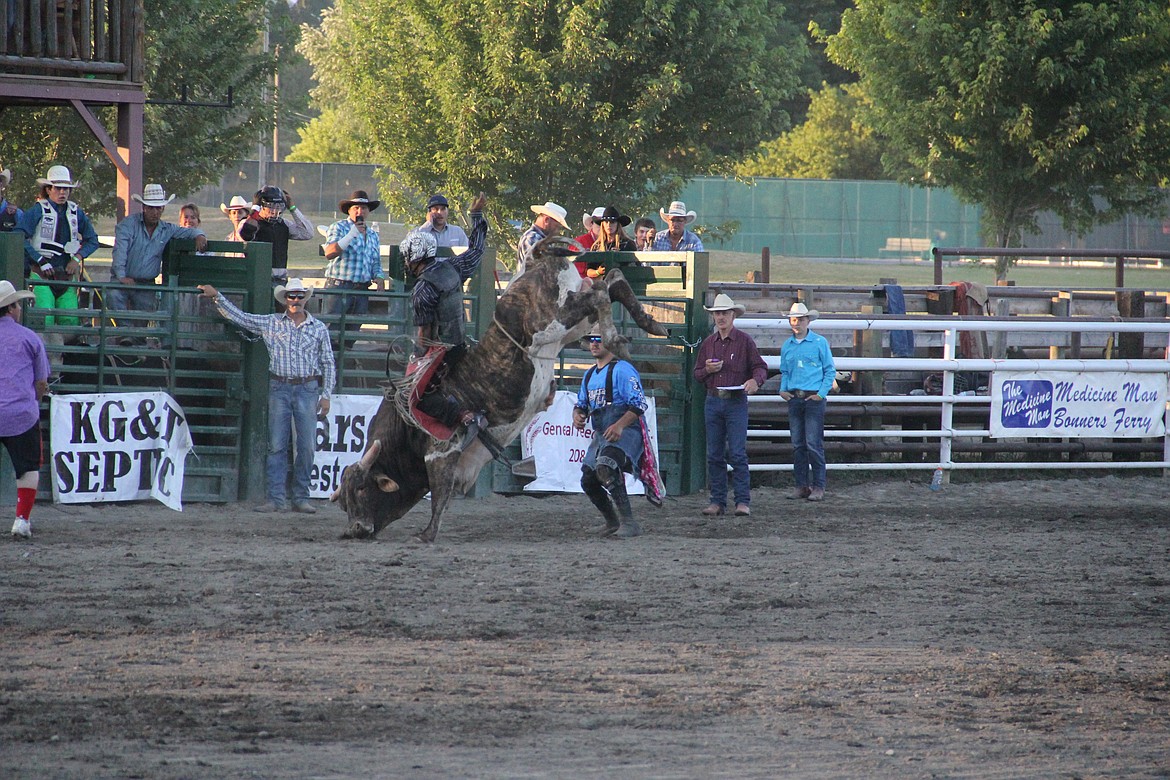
(422, 538)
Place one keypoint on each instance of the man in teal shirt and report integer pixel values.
(806, 378)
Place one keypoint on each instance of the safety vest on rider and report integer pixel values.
(44, 240)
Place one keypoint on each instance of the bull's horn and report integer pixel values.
(386, 484)
(371, 454)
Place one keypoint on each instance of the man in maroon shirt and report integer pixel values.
(729, 366)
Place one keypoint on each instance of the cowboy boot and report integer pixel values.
(629, 527)
(601, 499)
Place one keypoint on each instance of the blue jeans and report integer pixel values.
(806, 421)
(348, 302)
(726, 422)
(288, 406)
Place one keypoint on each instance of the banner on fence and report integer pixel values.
(341, 440)
(1078, 405)
(559, 449)
(118, 447)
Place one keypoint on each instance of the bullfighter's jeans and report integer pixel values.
(726, 423)
(806, 422)
(288, 406)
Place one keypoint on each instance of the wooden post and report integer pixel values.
(766, 265)
(1119, 273)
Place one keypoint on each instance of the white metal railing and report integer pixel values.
(949, 364)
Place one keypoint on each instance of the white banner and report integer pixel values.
(1069, 404)
(559, 448)
(118, 447)
(341, 440)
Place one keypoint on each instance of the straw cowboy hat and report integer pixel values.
(10, 295)
(588, 219)
(723, 302)
(237, 202)
(800, 310)
(358, 198)
(58, 176)
(153, 195)
(294, 285)
(550, 209)
(677, 209)
(6, 175)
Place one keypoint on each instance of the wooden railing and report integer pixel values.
(73, 37)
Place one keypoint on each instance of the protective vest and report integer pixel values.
(275, 233)
(449, 317)
(44, 240)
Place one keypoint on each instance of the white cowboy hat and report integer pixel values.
(6, 175)
(800, 310)
(237, 202)
(723, 302)
(587, 219)
(153, 195)
(551, 209)
(677, 209)
(58, 176)
(294, 285)
(10, 295)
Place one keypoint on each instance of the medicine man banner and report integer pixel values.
(341, 440)
(1078, 405)
(118, 447)
(559, 449)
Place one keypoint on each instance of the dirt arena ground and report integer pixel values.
(1015, 629)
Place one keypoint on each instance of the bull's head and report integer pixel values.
(368, 495)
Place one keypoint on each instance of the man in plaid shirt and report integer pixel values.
(301, 374)
(354, 254)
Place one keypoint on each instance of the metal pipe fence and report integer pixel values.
(949, 365)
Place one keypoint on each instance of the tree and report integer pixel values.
(584, 102)
(1019, 106)
(833, 142)
(208, 46)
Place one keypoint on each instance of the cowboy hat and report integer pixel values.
(10, 295)
(437, 200)
(550, 209)
(153, 195)
(359, 198)
(611, 214)
(588, 219)
(723, 302)
(6, 175)
(677, 209)
(237, 202)
(800, 310)
(294, 285)
(58, 176)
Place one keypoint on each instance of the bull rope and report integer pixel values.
(520, 347)
(400, 392)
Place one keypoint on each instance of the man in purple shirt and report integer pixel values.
(729, 366)
(22, 385)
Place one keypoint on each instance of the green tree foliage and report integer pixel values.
(208, 46)
(584, 102)
(1019, 106)
(833, 142)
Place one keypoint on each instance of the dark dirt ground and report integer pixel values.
(1009, 629)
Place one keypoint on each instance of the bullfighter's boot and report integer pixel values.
(629, 527)
(601, 499)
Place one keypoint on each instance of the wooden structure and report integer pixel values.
(84, 54)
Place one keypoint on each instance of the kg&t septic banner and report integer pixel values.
(559, 449)
(341, 440)
(118, 447)
(1078, 405)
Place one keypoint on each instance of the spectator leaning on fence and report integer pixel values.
(139, 242)
(446, 234)
(676, 237)
(237, 210)
(301, 372)
(353, 250)
(807, 372)
(592, 227)
(9, 214)
(550, 218)
(730, 368)
(58, 236)
(24, 381)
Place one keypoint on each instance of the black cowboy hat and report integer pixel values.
(358, 198)
(613, 215)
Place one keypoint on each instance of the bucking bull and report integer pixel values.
(509, 374)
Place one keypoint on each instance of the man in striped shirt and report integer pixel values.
(301, 375)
